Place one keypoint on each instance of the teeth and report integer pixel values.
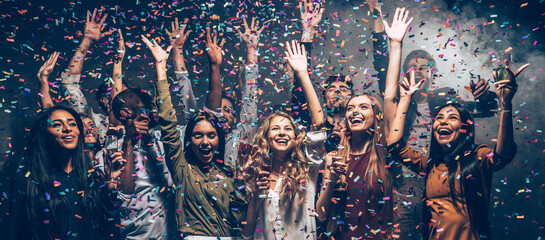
(281, 141)
(68, 137)
(356, 120)
(444, 131)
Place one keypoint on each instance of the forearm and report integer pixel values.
(307, 35)
(179, 63)
(252, 53)
(506, 140)
(378, 25)
(45, 96)
(314, 108)
(397, 127)
(322, 205)
(213, 100)
(392, 82)
(117, 78)
(127, 180)
(76, 63)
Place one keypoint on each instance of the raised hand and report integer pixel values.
(409, 86)
(114, 168)
(120, 47)
(159, 54)
(296, 56)
(479, 88)
(212, 48)
(311, 15)
(374, 5)
(178, 35)
(93, 26)
(399, 27)
(251, 33)
(506, 88)
(47, 68)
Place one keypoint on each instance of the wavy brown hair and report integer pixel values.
(377, 159)
(296, 171)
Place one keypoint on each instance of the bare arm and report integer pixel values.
(376, 10)
(297, 59)
(118, 66)
(333, 171)
(213, 100)
(407, 89)
(506, 89)
(396, 32)
(43, 75)
(92, 33)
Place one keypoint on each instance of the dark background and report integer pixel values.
(31, 31)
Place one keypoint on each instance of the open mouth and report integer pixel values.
(282, 142)
(206, 152)
(444, 133)
(356, 120)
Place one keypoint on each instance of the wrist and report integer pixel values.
(307, 36)
(506, 106)
(395, 43)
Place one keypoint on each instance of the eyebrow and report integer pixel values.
(60, 119)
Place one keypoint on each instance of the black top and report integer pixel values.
(71, 221)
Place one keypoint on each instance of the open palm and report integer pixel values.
(178, 35)
(400, 24)
(94, 24)
(296, 56)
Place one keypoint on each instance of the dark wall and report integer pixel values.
(31, 31)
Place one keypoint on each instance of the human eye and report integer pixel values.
(212, 135)
(197, 135)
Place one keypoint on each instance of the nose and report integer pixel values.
(205, 141)
(66, 128)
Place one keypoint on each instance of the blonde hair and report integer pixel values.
(296, 171)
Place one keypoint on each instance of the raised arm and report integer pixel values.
(92, 33)
(406, 91)
(118, 66)
(395, 33)
(250, 36)
(297, 59)
(170, 135)
(43, 75)
(178, 36)
(213, 100)
(311, 15)
(248, 110)
(376, 10)
(506, 89)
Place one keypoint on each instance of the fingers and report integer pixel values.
(103, 19)
(172, 27)
(94, 15)
(147, 42)
(187, 33)
(177, 25)
(208, 38)
(88, 14)
(396, 14)
(289, 52)
(304, 52)
(253, 23)
(222, 42)
(521, 69)
(54, 57)
(502, 82)
(215, 37)
(296, 46)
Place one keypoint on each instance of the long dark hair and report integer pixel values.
(41, 194)
(199, 116)
(471, 178)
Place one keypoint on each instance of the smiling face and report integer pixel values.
(91, 132)
(281, 136)
(64, 129)
(446, 128)
(359, 114)
(204, 141)
(337, 94)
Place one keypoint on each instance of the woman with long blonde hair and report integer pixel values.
(361, 205)
(288, 160)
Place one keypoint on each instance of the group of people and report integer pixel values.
(143, 167)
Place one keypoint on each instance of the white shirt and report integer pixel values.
(275, 221)
(143, 213)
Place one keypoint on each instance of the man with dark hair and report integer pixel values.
(144, 208)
